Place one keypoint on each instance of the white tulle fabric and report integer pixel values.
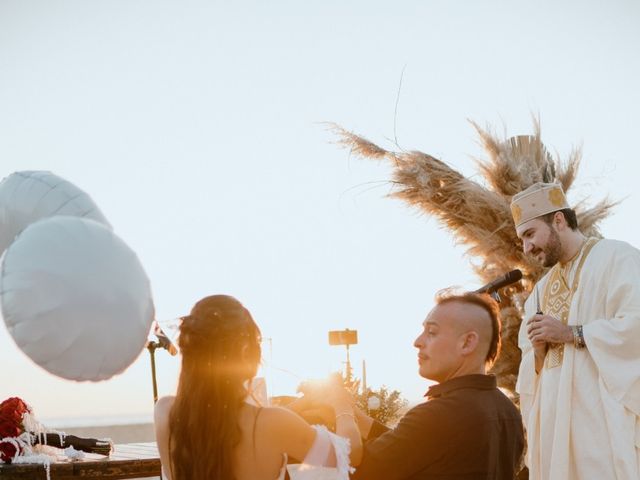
(327, 459)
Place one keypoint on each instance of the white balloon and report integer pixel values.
(75, 298)
(26, 197)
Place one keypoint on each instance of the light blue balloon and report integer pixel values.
(29, 196)
(75, 298)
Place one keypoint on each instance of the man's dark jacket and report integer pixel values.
(468, 429)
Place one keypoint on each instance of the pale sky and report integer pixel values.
(196, 126)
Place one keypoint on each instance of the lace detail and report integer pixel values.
(341, 448)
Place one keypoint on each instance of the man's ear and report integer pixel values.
(470, 342)
(559, 221)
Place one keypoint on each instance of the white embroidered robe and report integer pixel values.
(583, 417)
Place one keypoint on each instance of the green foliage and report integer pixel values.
(391, 405)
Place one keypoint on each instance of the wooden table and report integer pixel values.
(130, 460)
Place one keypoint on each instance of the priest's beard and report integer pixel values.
(553, 249)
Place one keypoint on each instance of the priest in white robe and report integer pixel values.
(579, 379)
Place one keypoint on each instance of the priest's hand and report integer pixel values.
(547, 329)
(540, 348)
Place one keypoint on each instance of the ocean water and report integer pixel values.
(98, 421)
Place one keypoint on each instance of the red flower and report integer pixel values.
(11, 412)
(9, 428)
(14, 406)
(7, 451)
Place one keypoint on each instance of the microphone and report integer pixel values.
(507, 279)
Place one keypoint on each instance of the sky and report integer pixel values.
(200, 130)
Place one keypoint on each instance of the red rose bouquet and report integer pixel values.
(12, 411)
(19, 431)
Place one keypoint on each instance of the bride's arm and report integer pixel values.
(337, 400)
(296, 437)
(365, 422)
(288, 431)
(347, 426)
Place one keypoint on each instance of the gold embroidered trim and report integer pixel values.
(558, 296)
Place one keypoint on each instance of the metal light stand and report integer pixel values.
(162, 342)
(151, 346)
(345, 337)
(349, 370)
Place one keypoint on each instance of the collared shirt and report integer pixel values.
(468, 429)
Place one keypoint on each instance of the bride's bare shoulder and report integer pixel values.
(280, 414)
(287, 431)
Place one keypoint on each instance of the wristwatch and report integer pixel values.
(578, 337)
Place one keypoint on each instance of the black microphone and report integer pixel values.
(507, 279)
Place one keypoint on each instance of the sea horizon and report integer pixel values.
(96, 420)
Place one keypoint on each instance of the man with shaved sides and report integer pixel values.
(467, 428)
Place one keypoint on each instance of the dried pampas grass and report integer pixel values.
(479, 216)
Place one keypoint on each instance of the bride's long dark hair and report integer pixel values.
(220, 346)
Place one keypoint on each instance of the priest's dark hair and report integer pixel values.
(569, 215)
